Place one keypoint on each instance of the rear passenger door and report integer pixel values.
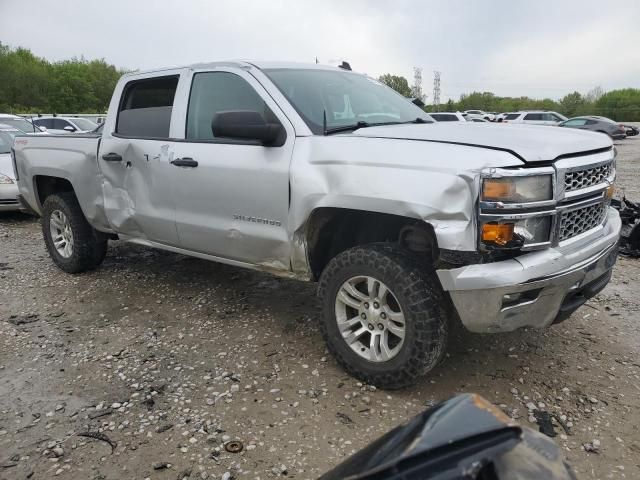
(135, 160)
(233, 202)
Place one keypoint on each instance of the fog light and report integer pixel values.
(498, 233)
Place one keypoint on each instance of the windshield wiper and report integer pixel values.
(346, 128)
(418, 120)
(362, 124)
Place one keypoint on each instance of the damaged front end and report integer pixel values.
(630, 233)
(462, 438)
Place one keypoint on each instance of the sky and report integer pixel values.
(537, 48)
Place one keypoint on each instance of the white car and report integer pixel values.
(65, 124)
(534, 117)
(469, 114)
(20, 123)
(8, 186)
(447, 116)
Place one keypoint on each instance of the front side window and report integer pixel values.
(511, 116)
(214, 92)
(146, 106)
(533, 116)
(59, 124)
(44, 122)
(343, 98)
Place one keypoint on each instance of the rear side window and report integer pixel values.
(511, 116)
(146, 106)
(533, 116)
(214, 92)
(444, 117)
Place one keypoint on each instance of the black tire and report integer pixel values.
(418, 294)
(89, 245)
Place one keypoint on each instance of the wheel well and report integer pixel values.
(46, 186)
(331, 231)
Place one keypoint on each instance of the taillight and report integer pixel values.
(621, 127)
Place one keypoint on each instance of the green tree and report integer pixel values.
(399, 84)
(29, 84)
(571, 104)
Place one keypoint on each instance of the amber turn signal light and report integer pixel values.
(611, 189)
(498, 233)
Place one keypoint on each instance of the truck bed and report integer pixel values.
(41, 159)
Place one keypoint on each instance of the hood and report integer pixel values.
(527, 142)
(6, 166)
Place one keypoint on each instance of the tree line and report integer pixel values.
(622, 105)
(29, 84)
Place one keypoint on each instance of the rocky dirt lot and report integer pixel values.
(170, 358)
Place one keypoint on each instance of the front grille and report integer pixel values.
(12, 201)
(579, 179)
(580, 220)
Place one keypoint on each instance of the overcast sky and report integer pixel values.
(538, 48)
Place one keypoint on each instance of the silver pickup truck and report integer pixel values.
(323, 174)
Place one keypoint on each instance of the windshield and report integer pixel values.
(84, 124)
(6, 140)
(20, 124)
(346, 98)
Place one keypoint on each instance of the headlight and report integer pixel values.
(4, 179)
(517, 233)
(517, 189)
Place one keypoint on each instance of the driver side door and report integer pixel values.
(232, 200)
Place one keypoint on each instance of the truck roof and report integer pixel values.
(242, 63)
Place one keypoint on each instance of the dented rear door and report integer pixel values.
(135, 159)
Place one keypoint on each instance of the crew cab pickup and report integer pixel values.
(323, 174)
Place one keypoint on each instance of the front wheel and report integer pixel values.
(73, 244)
(384, 316)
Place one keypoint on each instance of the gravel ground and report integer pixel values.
(169, 358)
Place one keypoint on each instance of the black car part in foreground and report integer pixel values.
(630, 234)
(464, 438)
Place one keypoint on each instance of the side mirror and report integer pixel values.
(69, 128)
(247, 125)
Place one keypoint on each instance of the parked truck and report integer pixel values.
(326, 175)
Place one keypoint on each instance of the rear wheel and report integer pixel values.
(73, 244)
(384, 316)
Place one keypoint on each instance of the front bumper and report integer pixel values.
(537, 288)
(9, 197)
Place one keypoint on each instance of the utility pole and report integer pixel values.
(436, 91)
(416, 89)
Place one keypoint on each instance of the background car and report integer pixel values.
(20, 123)
(479, 114)
(8, 186)
(631, 130)
(597, 124)
(535, 117)
(447, 116)
(478, 120)
(65, 124)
